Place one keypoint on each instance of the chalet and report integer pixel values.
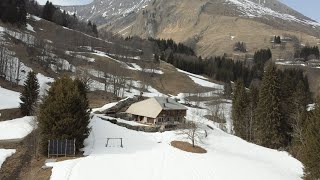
(157, 110)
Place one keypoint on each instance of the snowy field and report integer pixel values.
(201, 80)
(9, 99)
(149, 156)
(4, 154)
(16, 129)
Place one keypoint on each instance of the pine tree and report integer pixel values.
(311, 147)
(21, 12)
(64, 113)
(269, 117)
(227, 91)
(299, 116)
(253, 97)
(48, 11)
(30, 94)
(239, 111)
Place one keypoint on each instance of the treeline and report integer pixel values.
(267, 114)
(275, 115)
(277, 40)
(13, 11)
(172, 46)
(240, 46)
(308, 52)
(219, 68)
(54, 14)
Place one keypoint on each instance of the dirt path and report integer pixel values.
(14, 165)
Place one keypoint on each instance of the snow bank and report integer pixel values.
(30, 28)
(132, 123)
(201, 80)
(136, 67)
(105, 107)
(148, 156)
(9, 99)
(16, 129)
(44, 83)
(4, 154)
(190, 74)
(205, 83)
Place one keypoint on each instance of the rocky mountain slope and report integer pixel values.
(210, 26)
(107, 11)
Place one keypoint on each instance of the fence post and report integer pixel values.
(57, 147)
(48, 148)
(65, 148)
(74, 147)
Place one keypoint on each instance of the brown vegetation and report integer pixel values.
(185, 146)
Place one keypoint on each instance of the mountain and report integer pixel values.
(107, 11)
(210, 26)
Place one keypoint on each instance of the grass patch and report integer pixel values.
(185, 146)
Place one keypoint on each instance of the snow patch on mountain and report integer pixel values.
(252, 10)
(66, 3)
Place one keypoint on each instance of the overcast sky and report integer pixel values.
(310, 8)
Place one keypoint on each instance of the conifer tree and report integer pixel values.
(239, 111)
(48, 11)
(299, 117)
(311, 146)
(269, 117)
(64, 113)
(253, 97)
(21, 12)
(30, 94)
(227, 91)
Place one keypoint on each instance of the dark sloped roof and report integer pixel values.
(169, 104)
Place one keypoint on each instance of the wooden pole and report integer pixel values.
(65, 148)
(48, 148)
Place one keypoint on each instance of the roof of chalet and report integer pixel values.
(153, 106)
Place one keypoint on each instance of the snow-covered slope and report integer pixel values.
(253, 9)
(5, 153)
(9, 99)
(16, 129)
(147, 156)
(102, 11)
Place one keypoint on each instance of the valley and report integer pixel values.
(217, 89)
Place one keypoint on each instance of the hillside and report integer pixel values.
(247, 119)
(112, 69)
(211, 27)
(52, 50)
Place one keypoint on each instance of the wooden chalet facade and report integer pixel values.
(158, 110)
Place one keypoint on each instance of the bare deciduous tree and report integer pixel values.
(84, 76)
(193, 132)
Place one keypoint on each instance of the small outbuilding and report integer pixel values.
(158, 110)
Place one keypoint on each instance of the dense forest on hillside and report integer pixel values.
(218, 68)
